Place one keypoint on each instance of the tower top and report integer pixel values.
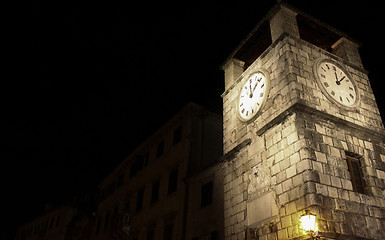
(292, 21)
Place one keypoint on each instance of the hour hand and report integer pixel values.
(339, 81)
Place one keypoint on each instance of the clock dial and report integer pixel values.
(252, 96)
(336, 83)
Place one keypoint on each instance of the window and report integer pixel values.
(126, 219)
(106, 221)
(57, 221)
(139, 200)
(151, 233)
(51, 224)
(146, 158)
(155, 191)
(137, 165)
(177, 135)
(120, 180)
(207, 194)
(98, 226)
(172, 181)
(160, 149)
(356, 175)
(211, 236)
(168, 230)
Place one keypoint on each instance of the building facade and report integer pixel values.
(302, 134)
(55, 224)
(161, 190)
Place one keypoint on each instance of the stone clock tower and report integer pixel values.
(302, 134)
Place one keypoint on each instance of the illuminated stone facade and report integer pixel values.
(294, 155)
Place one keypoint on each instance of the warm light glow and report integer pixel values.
(308, 223)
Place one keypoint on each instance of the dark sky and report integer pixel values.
(92, 79)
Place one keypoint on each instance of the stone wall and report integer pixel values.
(292, 155)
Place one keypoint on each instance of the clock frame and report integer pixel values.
(336, 83)
(253, 95)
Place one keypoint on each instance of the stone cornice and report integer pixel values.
(301, 108)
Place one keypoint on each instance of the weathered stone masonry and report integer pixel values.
(292, 156)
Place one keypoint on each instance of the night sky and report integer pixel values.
(90, 80)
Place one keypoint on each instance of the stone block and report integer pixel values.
(286, 221)
(313, 199)
(287, 185)
(381, 174)
(298, 180)
(333, 192)
(294, 194)
(307, 153)
(343, 194)
(262, 208)
(347, 184)
(382, 157)
(304, 165)
(335, 152)
(324, 179)
(307, 188)
(291, 171)
(336, 182)
(292, 138)
(322, 189)
(275, 169)
(311, 175)
(282, 234)
(295, 158)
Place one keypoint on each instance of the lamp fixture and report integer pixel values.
(309, 224)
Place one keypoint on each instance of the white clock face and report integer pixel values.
(336, 83)
(252, 96)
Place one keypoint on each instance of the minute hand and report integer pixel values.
(255, 86)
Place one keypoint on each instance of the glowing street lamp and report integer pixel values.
(308, 221)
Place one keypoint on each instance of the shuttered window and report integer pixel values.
(356, 175)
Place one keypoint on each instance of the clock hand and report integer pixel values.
(255, 86)
(337, 82)
(251, 92)
(342, 79)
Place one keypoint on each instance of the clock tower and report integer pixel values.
(302, 134)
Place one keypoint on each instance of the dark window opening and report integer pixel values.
(108, 190)
(155, 191)
(146, 158)
(120, 180)
(151, 233)
(177, 135)
(160, 149)
(137, 165)
(139, 200)
(356, 175)
(106, 221)
(98, 226)
(168, 230)
(254, 45)
(207, 194)
(57, 221)
(316, 34)
(172, 181)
